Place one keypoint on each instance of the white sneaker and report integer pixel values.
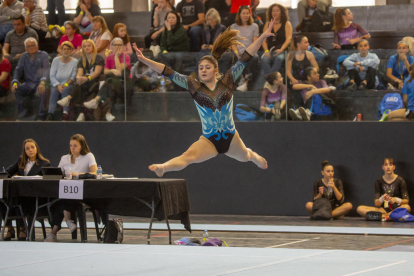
(306, 113)
(295, 115)
(71, 225)
(50, 238)
(242, 87)
(109, 117)
(330, 74)
(64, 101)
(390, 87)
(92, 104)
(81, 118)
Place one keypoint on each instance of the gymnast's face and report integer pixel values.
(388, 167)
(328, 172)
(207, 71)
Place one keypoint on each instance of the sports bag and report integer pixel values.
(321, 21)
(322, 209)
(244, 112)
(401, 215)
(318, 51)
(392, 101)
(114, 231)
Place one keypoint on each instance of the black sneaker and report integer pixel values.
(49, 117)
(40, 118)
(352, 87)
(362, 86)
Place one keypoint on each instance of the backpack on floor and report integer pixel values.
(114, 231)
(322, 209)
(318, 51)
(244, 112)
(401, 215)
(319, 107)
(321, 21)
(392, 101)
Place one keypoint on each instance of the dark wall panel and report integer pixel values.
(294, 152)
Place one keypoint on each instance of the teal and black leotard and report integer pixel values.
(215, 107)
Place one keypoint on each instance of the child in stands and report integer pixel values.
(362, 68)
(398, 65)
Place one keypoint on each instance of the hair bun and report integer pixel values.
(324, 163)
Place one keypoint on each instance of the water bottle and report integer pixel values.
(162, 84)
(205, 236)
(68, 172)
(99, 172)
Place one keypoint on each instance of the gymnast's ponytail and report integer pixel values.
(224, 42)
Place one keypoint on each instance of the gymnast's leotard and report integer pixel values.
(214, 107)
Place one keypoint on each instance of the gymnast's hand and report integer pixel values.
(268, 32)
(138, 52)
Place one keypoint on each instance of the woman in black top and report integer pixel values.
(29, 163)
(332, 189)
(390, 192)
(275, 46)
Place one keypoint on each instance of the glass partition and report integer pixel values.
(141, 94)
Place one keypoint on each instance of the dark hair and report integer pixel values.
(23, 160)
(284, 15)
(272, 77)
(19, 17)
(177, 25)
(73, 25)
(411, 73)
(325, 164)
(308, 71)
(390, 160)
(82, 141)
(238, 19)
(295, 41)
(363, 40)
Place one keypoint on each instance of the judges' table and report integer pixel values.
(160, 198)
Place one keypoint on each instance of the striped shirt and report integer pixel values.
(37, 19)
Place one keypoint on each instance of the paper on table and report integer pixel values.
(122, 178)
(28, 177)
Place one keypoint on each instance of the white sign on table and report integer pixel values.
(1, 188)
(71, 189)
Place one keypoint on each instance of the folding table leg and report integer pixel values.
(152, 218)
(34, 219)
(169, 230)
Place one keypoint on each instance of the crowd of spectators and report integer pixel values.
(106, 68)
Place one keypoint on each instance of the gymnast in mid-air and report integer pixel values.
(213, 97)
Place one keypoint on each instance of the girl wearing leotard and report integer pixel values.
(298, 60)
(213, 97)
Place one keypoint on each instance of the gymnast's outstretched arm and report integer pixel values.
(255, 46)
(156, 66)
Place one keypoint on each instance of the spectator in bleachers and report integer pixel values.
(255, 14)
(192, 14)
(346, 32)
(362, 68)
(5, 69)
(174, 42)
(35, 18)
(14, 43)
(144, 77)
(298, 60)
(250, 32)
(306, 8)
(34, 65)
(310, 91)
(336, 195)
(212, 29)
(100, 35)
(160, 13)
(85, 13)
(52, 6)
(273, 100)
(390, 190)
(62, 79)
(9, 9)
(221, 7)
(408, 99)
(72, 34)
(90, 68)
(398, 65)
(120, 30)
(234, 9)
(117, 69)
(275, 46)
